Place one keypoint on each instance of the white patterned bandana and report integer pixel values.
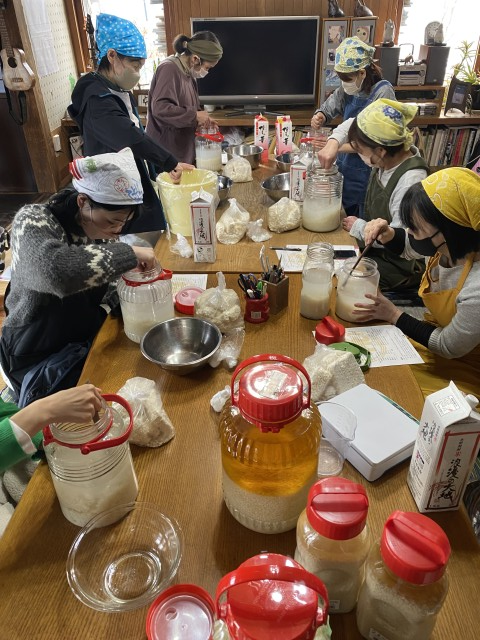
(108, 178)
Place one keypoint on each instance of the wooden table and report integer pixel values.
(244, 256)
(184, 479)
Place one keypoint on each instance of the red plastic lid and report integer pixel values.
(414, 547)
(271, 393)
(329, 330)
(272, 596)
(183, 611)
(185, 299)
(337, 508)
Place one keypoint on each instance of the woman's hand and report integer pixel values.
(318, 120)
(348, 221)
(176, 174)
(145, 257)
(203, 119)
(378, 229)
(328, 154)
(381, 308)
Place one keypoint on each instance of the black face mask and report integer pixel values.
(425, 247)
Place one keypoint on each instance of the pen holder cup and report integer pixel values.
(257, 309)
(277, 295)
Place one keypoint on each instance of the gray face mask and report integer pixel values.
(128, 79)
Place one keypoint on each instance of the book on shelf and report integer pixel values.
(444, 146)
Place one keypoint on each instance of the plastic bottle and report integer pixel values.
(405, 580)
(332, 539)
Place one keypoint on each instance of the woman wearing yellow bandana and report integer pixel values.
(382, 139)
(442, 214)
(361, 83)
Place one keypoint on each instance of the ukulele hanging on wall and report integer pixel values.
(17, 75)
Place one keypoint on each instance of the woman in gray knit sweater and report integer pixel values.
(64, 255)
(442, 214)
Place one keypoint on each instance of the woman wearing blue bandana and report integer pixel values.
(361, 84)
(105, 111)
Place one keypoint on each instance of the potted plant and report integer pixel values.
(465, 71)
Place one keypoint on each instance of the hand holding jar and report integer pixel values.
(381, 309)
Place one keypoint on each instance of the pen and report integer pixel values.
(286, 249)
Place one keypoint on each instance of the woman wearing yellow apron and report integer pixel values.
(442, 214)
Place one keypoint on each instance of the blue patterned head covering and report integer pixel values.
(122, 35)
(352, 55)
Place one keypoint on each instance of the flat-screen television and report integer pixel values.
(266, 61)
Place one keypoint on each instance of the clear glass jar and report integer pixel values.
(91, 464)
(322, 200)
(270, 437)
(208, 149)
(146, 299)
(405, 580)
(317, 281)
(353, 285)
(332, 539)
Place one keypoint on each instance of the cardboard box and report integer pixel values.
(202, 211)
(283, 134)
(260, 128)
(298, 174)
(445, 450)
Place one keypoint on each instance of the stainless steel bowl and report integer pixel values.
(181, 345)
(250, 152)
(285, 160)
(277, 186)
(224, 186)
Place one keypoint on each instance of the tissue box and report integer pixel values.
(202, 210)
(283, 134)
(260, 128)
(445, 450)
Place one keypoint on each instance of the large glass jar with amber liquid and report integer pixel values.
(270, 436)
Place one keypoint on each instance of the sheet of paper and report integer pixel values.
(181, 280)
(387, 344)
(292, 261)
(7, 274)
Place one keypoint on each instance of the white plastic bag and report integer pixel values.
(151, 425)
(238, 169)
(332, 372)
(229, 349)
(233, 223)
(181, 247)
(220, 306)
(256, 232)
(284, 215)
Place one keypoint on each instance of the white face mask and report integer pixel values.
(201, 73)
(351, 88)
(366, 160)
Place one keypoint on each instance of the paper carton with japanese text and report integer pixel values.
(202, 210)
(260, 128)
(283, 134)
(445, 450)
(298, 173)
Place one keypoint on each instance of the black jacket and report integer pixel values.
(105, 126)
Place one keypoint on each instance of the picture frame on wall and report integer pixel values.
(364, 28)
(457, 97)
(334, 31)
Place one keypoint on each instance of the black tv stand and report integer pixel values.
(253, 110)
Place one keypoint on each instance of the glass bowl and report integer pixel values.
(125, 565)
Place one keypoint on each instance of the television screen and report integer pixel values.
(266, 60)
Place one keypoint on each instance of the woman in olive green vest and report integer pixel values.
(381, 137)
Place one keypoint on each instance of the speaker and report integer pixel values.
(436, 59)
(388, 60)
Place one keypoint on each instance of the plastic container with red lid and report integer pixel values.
(270, 436)
(405, 580)
(268, 596)
(185, 299)
(332, 539)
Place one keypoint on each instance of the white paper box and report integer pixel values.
(283, 134)
(202, 210)
(260, 128)
(385, 434)
(298, 174)
(445, 450)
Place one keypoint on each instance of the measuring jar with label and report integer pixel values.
(270, 437)
(317, 281)
(405, 580)
(353, 285)
(322, 199)
(208, 149)
(332, 539)
(145, 299)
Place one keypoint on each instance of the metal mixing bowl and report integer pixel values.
(277, 186)
(224, 186)
(181, 345)
(285, 160)
(250, 152)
